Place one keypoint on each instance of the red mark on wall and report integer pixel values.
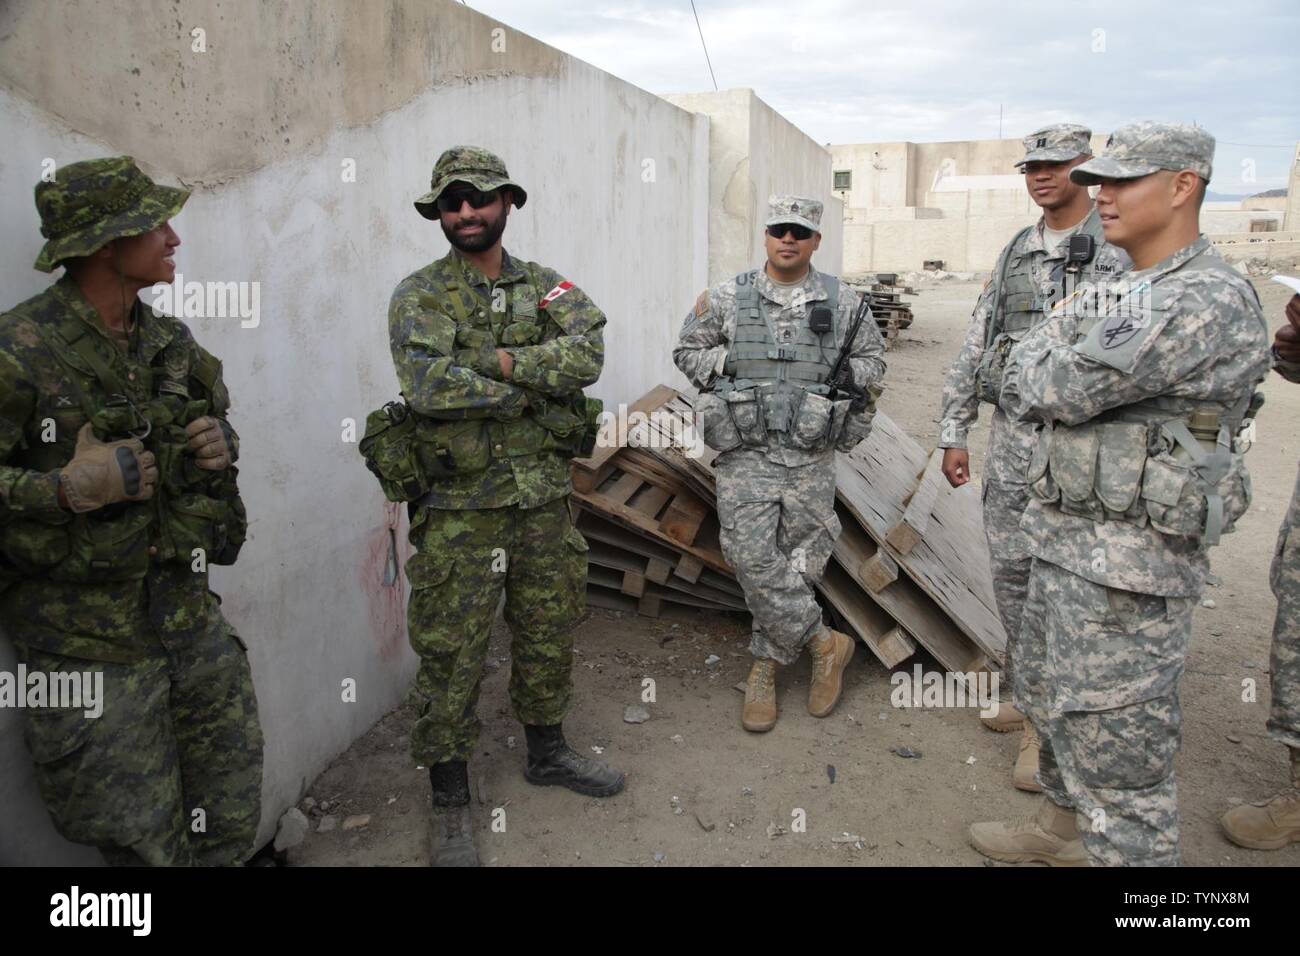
(383, 580)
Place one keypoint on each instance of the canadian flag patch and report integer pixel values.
(555, 293)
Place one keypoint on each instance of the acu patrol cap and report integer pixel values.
(468, 164)
(1139, 149)
(795, 209)
(95, 201)
(1057, 143)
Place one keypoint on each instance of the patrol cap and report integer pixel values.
(92, 202)
(470, 164)
(795, 209)
(1139, 149)
(1057, 143)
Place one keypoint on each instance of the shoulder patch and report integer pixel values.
(555, 293)
(702, 303)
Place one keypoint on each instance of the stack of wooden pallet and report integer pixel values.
(910, 566)
(889, 310)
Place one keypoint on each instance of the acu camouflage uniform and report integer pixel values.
(776, 502)
(1028, 279)
(1118, 526)
(116, 590)
(500, 519)
(1284, 577)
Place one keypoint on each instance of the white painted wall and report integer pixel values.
(306, 594)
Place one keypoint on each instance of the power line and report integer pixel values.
(703, 44)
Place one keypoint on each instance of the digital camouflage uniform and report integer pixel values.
(116, 590)
(501, 519)
(1027, 280)
(776, 503)
(1117, 526)
(1284, 577)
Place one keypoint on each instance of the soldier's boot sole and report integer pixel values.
(759, 723)
(576, 784)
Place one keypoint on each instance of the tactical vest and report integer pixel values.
(775, 392)
(118, 542)
(1173, 462)
(1018, 303)
(408, 451)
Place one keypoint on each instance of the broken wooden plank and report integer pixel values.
(609, 441)
(910, 528)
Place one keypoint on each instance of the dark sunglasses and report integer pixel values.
(451, 201)
(780, 229)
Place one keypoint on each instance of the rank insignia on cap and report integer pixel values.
(1042, 141)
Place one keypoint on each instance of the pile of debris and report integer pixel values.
(885, 297)
(910, 566)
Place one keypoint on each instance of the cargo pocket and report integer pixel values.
(810, 427)
(448, 449)
(197, 522)
(1121, 454)
(746, 408)
(33, 546)
(716, 427)
(107, 550)
(430, 611)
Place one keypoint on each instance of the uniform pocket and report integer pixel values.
(716, 427)
(746, 410)
(1121, 454)
(811, 425)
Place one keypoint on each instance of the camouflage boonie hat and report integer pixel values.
(1058, 143)
(1139, 149)
(468, 164)
(95, 201)
(795, 209)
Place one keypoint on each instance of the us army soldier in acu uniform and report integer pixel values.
(1273, 823)
(1034, 271)
(117, 489)
(761, 349)
(1142, 392)
(492, 353)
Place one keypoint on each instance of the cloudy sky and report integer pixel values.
(851, 72)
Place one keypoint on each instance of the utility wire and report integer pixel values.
(703, 44)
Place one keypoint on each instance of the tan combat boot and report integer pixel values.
(831, 652)
(1048, 836)
(759, 713)
(1025, 775)
(1272, 824)
(1005, 720)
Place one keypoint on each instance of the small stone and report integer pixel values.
(774, 830)
(292, 828)
(660, 857)
(677, 739)
(905, 752)
(308, 804)
(830, 772)
(357, 822)
(1235, 801)
(746, 791)
(635, 714)
(1213, 580)
(597, 750)
(970, 759)
(327, 823)
(510, 742)
(741, 686)
(1209, 603)
(883, 715)
(1216, 632)
(711, 660)
(1233, 738)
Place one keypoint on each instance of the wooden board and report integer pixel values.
(910, 529)
(635, 580)
(596, 528)
(868, 621)
(950, 565)
(609, 441)
(614, 601)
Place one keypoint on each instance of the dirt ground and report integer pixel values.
(701, 791)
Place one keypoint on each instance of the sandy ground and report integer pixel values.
(701, 791)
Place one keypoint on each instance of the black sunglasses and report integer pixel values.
(451, 201)
(780, 229)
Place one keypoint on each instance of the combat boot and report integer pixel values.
(1005, 720)
(1272, 824)
(831, 652)
(1025, 775)
(453, 816)
(551, 762)
(759, 713)
(1050, 835)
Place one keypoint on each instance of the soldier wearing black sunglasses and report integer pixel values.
(762, 349)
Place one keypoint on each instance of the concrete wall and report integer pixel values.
(265, 123)
(753, 153)
(1224, 221)
(1291, 220)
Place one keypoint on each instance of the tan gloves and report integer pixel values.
(104, 473)
(213, 442)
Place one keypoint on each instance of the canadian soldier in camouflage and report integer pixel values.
(117, 489)
(492, 354)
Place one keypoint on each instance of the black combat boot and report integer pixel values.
(552, 761)
(453, 819)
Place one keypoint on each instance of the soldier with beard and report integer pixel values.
(492, 354)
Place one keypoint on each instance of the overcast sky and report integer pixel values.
(852, 72)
